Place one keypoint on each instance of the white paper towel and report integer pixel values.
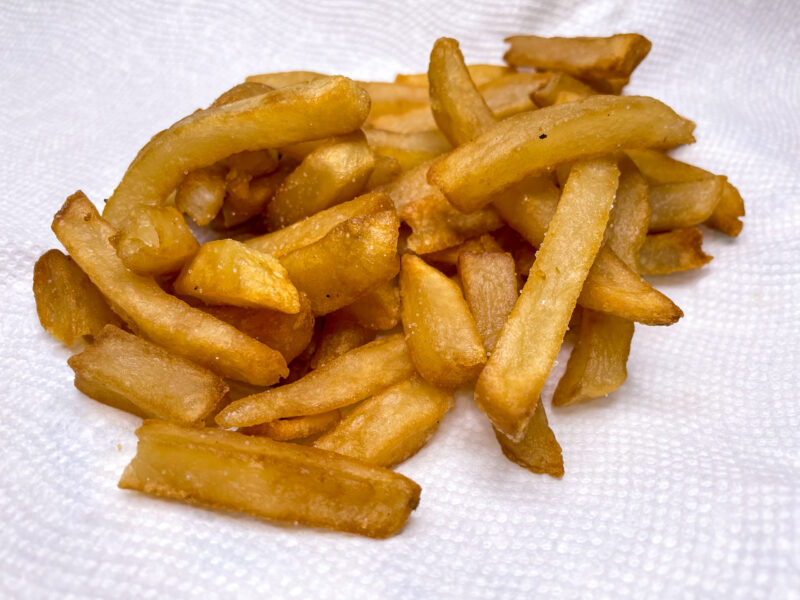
(685, 483)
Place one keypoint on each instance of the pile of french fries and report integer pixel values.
(374, 246)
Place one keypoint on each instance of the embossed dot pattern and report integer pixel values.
(683, 484)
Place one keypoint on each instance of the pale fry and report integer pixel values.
(672, 252)
(358, 374)
(675, 205)
(339, 335)
(201, 193)
(538, 450)
(284, 78)
(251, 196)
(269, 479)
(386, 97)
(295, 428)
(630, 217)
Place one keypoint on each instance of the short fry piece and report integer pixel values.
(269, 479)
(441, 333)
(672, 252)
(358, 374)
(228, 272)
(129, 373)
(538, 450)
(154, 313)
(449, 256)
(201, 193)
(378, 310)
(155, 240)
(67, 302)
(510, 384)
(391, 427)
(295, 428)
(675, 205)
(340, 334)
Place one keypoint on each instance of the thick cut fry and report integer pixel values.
(67, 302)
(201, 193)
(248, 89)
(630, 217)
(409, 149)
(561, 88)
(529, 206)
(538, 450)
(340, 334)
(490, 288)
(155, 240)
(386, 170)
(391, 427)
(296, 428)
(449, 256)
(479, 73)
(269, 479)
(378, 310)
(316, 227)
(675, 205)
(458, 108)
(510, 384)
(358, 374)
(228, 272)
(158, 316)
(601, 57)
(673, 251)
(413, 121)
(329, 106)
(512, 93)
(442, 336)
(353, 258)
(251, 196)
(284, 78)
(608, 85)
(327, 176)
(533, 141)
(129, 373)
(386, 97)
(596, 366)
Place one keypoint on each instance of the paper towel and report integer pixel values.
(684, 483)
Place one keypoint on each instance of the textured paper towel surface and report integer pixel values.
(685, 483)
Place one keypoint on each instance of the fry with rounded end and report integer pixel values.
(269, 479)
(442, 336)
(69, 305)
(155, 240)
(158, 316)
(228, 272)
(295, 428)
(391, 427)
(201, 193)
(353, 376)
(537, 140)
(328, 106)
(538, 450)
(378, 310)
(672, 252)
(676, 205)
(339, 335)
(129, 373)
(510, 384)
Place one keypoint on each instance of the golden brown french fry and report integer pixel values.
(673, 251)
(458, 108)
(512, 94)
(269, 479)
(409, 149)
(284, 78)
(538, 451)
(228, 272)
(676, 205)
(608, 85)
(248, 89)
(129, 373)
(201, 193)
(353, 258)
(529, 206)
(155, 240)
(533, 141)
(449, 256)
(601, 57)
(328, 176)
(630, 217)
(386, 170)
(353, 376)
(316, 227)
(154, 313)
(412, 121)
(559, 88)
(480, 74)
(391, 427)
(490, 288)
(67, 302)
(295, 428)
(387, 97)
(340, 334)
(333, 106)
(378, 310)
(251, 196)
(442, 337)
(510, 384)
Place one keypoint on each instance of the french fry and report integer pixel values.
(353, 376)
(510, 384)
(412, 121)
(630, 217)
(69, 305)
(386, 97)
(327, 176)
(269, 479)
(252, 195)
(561, 87)
(512, 94)
(386, 170)
(248, 89)
(449, 256)
(378, 310)
(676, 205)
(340, 334)
(391, 427)
(480, 74)
(353, 258)
(409, 149)
(201, 193)
(489, 282)
(533, 141)
(316, 227)
(295, 428)
(600, 57)
(442, 337)
(538, 451)
(672, 252)
(154, 313)
(608, 85)
(284, 78)
(129, 373)
(155, 240)
(228, 272)
(333, 106)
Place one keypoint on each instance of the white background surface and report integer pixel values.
(685, 483)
